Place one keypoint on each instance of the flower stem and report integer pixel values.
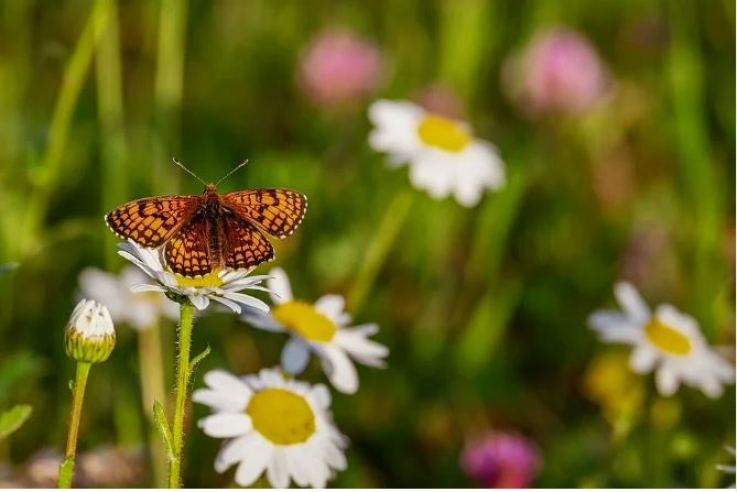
(378, 248)
(66, 470)
(153, 389)
(186, 319)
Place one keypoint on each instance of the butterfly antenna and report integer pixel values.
(190, 172)
(231, 172)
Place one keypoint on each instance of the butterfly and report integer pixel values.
(202, 233)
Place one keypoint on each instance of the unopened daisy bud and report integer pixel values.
(90, 334)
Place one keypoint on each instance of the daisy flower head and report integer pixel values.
(443, 156)
(281, 426)
(90, 333)
(665, 341)
(321, 328)
(140, 311)
(223, 286)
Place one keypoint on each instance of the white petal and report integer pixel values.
(221, 400)
(395, 127)
(642, 359)
(246, 300)
(279, 286)
(277, 471)
(334, 456)
(332, 305)
(105, 288)
(199, 302)
(259, 319)
(225, 424)
(666, 380)
(321, 396)
(139, 288)
(339, 369)
(434, 177)
(632, 302)
(296, 465)
(224, 381)
(232, 305)
(295, 356)
(361, 348)
(255, 460)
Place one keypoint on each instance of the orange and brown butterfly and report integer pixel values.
(203, 233)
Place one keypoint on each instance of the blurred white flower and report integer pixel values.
(281, 426)
(140, 311)
(90, 333)
(223, 286)
(666, 341)
(728, 469)
(443, 156)
(320, 328)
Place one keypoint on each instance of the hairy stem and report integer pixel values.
(66, 470)
(186, 319)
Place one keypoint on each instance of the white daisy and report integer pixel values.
(222, 286)
(666, 341)
(281, 426)
(443, 156)
(320, 328)
(140, 311)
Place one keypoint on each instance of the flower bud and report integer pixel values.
(90, 334)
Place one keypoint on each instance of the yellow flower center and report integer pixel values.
(443, 133)
(281, 416)
(212, 279)
(667, 338)
(305, 320)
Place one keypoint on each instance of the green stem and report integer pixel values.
(378, 249)
(186, 319)
(50, 170)
(153, 389)
(66, 470)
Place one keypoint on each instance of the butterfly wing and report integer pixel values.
(245, 247)
(274, 210)
(188, 250)
(150, 222)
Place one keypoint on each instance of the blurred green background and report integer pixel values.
(484, 309)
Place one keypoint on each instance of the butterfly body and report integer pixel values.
(202, 233)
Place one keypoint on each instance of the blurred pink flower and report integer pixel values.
(441, 100)
(560, 71)
(501, 460)
(338, 68)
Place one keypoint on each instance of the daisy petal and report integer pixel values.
(632, 302)
(225, 424)
(295, 356)
(332, 305)
(256, 457)
(277, 471)
(643, 359)
(339, 369)
(281, 289)
(666, 380)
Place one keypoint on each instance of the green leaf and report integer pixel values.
(163, 426)
(13, 419)
(198, 359)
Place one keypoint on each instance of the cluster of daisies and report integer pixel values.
(273, 424)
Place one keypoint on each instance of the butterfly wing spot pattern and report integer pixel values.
(187, 252)
(246, 247)
(276, 211)
(151, 221)
(203, 232)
